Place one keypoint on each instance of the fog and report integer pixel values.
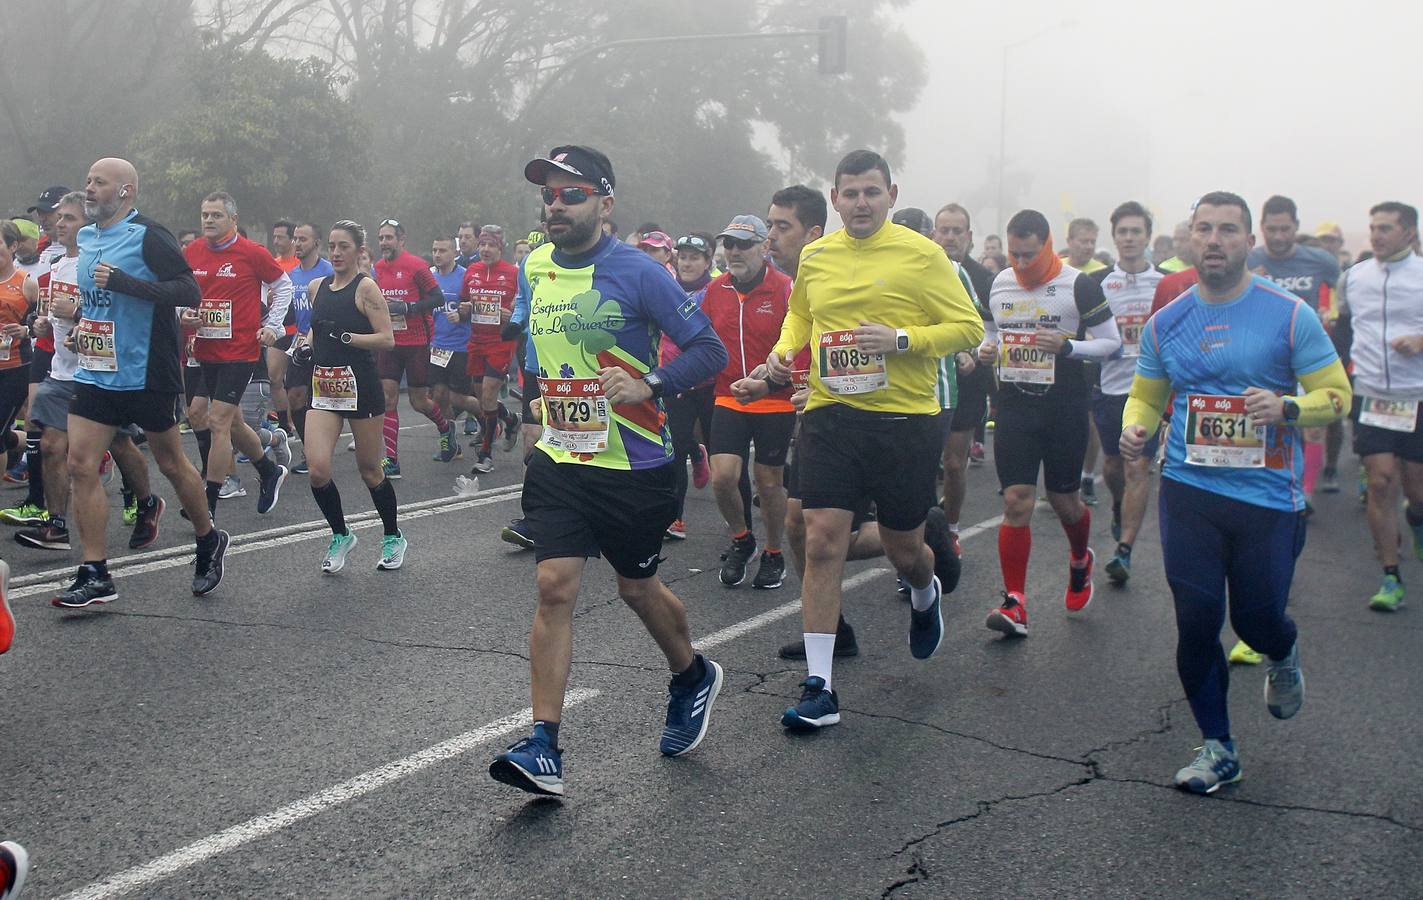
(1161, 102)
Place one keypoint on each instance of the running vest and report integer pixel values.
(1385, 300)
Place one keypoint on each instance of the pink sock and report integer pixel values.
(1313, 462)
(437, 416)
(391, 430)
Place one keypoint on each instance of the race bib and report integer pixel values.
(1394, 415)
(440, 357)
(5, 342)
(1219, 433)
(1021, 360)
(59, 290)
(333, 388)
(800, 379)
(486, 312)
(1130, 326)
(215, 319)
(575, 414)
(397, 323)
(845, 369)
(94, 344)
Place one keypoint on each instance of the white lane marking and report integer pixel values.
(262, 826)
(732, 632)
(278, 537)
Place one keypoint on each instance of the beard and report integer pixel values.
(98, 211)
(579, 233)
(1221, 279)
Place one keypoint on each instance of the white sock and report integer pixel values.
(1088, 476)
(922, 598)
(953, 528)
(819, 655)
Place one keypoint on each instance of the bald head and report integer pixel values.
(110, 190)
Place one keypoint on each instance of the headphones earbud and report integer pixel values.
(123, 192)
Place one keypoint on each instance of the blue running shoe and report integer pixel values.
(1215, 764)
(530, 765)
(926, 629)
(689, 710)
(1284, 685)
(817, 708)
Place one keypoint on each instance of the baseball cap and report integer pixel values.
(656, 239)
(1328, 229)
(585, 162)
(694, 242)
(27, 228)
(914, 219)
(49, 198)
(746, 228)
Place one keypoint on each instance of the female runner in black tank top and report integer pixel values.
(349, 322)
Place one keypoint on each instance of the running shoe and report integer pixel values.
(131, 511)
(989, 425)
(271, 489)
(954, 540)
(947, 565)
(1243, 655)
(7, 618)
(511, 433)
(771, 574)
(1012, 617)
(18, 475)
(1329, 481)
(14, 864)
(1089, 491)
(677, 531)
(926, 627)
(45, 537)
(517, 533)
(208, 567)
(701, 468)
(733, 566)
(336, 553)
(302, 468)
(817, 708)
(466, 485)
(530, 765)
(1390, 595)
(231, 487)
(87, 590)
(485, 463)
(280, 448)
(976, 454)
(106, 468)
(351, 445)
(391, 468)
(689, 710)
(1215, 764)
(845, 644)
(449, 448)
(145, 525)
(1079, 583)
(31, 514)
(471, 425)
(392, 552)
(1284, 685)
(1119, 566)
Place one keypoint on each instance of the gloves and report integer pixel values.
(397, 307)
(510, 330)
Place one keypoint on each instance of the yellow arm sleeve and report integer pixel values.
(1326, 398)
(1146, 403)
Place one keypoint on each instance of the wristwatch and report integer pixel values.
(901, 340)
(1291, 410)
(346, 338)
(654, 382)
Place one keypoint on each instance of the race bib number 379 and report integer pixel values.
(1219, 433)
(94, 344)
(846, 369)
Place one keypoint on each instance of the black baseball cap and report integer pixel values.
(49, 198)
(914, 219)
(585, 162)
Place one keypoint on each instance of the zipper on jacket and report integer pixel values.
(1387, 378)
(741, 331)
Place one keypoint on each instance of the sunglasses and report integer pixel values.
(569, 196)
(692, 242)
(391, 222)
(734, 244)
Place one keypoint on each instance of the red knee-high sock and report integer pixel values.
(491, 423)
(1078, 533)
(1313, 462)
(1014, 545)
(391, 430)
(437, 416)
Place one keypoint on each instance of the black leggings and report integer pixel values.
(684, 411)
(14, 389)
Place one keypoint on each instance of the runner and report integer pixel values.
(600, 481)
(449, 380)
(1129, 288)
(487, 303)
(1181, 245)
(880, 306)
(954, 232)
(1048, 318)
(412, 293)
(467, 236)
(1231, 349)
(1384, 300)
(231, 331)
(131, 275)
(689, 409)
(306, 242)
(747, 306)
(284, 252)
(49, 412)
(19, 295)
(1082, 246)
(350, 323)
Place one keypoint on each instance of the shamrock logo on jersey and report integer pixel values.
(596, 321)
(565, 371)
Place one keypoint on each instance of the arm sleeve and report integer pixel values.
(174, 284)
(1098, 337)
(681, 319)
(957, 323)
(1103, 339)
(1326, 398)
(795, 328)
(521, 299)
(431, 297)
(279, 295)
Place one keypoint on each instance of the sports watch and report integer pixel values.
(901, 340)
(654, 382)
(1291, 410)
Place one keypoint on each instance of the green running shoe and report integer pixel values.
(392, 552)
(28, 514)
(341, 546)
(1390, 595)
(131, 513)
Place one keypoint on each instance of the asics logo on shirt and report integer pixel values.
(1295, 283)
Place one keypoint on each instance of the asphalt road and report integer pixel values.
(300, 735)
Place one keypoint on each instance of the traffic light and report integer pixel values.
(832, 45)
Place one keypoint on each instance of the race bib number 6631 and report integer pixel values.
(1219, 433)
